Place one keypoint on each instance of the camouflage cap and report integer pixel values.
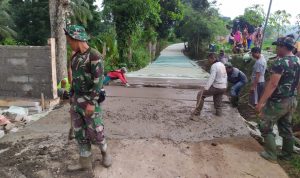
(284, 41)
(76, 32)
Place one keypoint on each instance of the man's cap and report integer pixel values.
(77, 32)
(228, 64)
(284, 41)
(124, 69)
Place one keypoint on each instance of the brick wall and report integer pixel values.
(27, 71)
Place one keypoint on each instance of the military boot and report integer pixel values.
(85, 164)
(106, 157)
(287, 149)
(270, 149)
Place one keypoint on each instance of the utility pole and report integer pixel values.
(266, 23)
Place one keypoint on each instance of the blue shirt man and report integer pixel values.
(238, 79)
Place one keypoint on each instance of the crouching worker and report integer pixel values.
(63, 89)
(238, 80)
(115, 75)
(216, 86)
(86, 113)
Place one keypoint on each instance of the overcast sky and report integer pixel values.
(234, 8)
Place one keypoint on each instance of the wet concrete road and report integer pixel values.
(149, 133)
(171, 68)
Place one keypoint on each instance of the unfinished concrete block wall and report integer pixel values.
(27, 71)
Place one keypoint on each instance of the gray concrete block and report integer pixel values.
(8, 93)
(25, 71)
(17, 61)
(18, 79)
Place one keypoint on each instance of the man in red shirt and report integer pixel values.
(117, 74)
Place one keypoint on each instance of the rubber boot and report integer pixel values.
(287, 149)
(85, 164)
(270, 149)
(106, 157)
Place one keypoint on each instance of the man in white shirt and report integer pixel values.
(216, 86)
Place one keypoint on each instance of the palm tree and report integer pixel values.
(79, 12)
(6, 22)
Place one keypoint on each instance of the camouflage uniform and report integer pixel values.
(87, 74)
(280, 107)
(87, 77)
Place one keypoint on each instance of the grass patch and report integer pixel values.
(292, 167)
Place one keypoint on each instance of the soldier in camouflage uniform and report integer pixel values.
(86, 113)
(278, 101)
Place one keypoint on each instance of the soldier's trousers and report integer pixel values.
(217, 94)
(279, 113)
(88, 130)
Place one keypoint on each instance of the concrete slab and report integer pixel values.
(171, 64)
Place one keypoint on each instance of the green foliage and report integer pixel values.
(80, 12)
(199, 28)
(9, 41)
(32, 21)
(296, 164)
(140, 58)
(279, 21)
(128, 21)
(6, 21)
(109, 39)
(254, 15)
(171, 11)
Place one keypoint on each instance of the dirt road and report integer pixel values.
(149, 134)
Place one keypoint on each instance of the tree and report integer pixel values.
(31, 21)
(200, 27)
(279, 21)
(6, 21)
(80, 12)
(128, 16)
(198, 5)
(57, 11)
(171, 12)
(254, 15)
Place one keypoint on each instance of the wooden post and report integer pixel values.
(266, 23)
(43, 101)
(53, 68)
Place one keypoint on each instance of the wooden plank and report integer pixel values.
(21, 103)
(51, 103)
(43, 101)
